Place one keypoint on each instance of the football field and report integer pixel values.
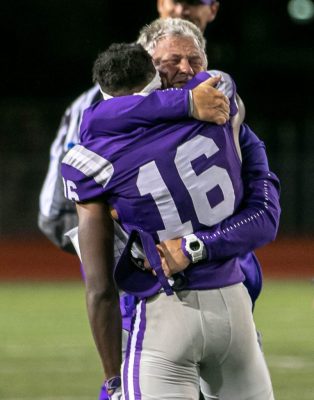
(47, 352)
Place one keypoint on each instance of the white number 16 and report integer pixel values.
(151, 182)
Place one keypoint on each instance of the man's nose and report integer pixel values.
(185, 66)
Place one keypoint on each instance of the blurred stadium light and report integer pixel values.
(301, 11)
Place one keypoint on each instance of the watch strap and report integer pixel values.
(184, 250)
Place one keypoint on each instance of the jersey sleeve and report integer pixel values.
(228, 87)
(85, 174)
(128, 113)
(256, 222)
(56, 214)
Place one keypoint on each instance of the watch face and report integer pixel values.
(194, 246)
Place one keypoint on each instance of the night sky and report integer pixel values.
(52, 45)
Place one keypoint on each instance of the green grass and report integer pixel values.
(46, 349)
(47, 352)
(285, 316)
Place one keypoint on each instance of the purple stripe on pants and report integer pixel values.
(126, 367)
(138, 351)
(133, 355)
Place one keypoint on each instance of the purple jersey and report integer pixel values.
(168, 180)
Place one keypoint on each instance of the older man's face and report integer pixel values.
(177, 59)
(199, 14)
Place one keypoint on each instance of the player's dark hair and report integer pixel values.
(122, 67)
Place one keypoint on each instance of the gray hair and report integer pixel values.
(151, 34)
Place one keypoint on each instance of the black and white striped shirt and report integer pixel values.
(57, 214)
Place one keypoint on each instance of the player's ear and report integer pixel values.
(214, 7)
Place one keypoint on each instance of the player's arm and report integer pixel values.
(253, 225)
(236, 122)
(96, 244)
(57, 215)
(83, 184)
(128, 113)
(205, 97)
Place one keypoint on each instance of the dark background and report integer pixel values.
(48, 48)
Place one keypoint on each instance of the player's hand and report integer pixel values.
(113, 213)
(103, 395)
(209, 104)
(172, 257)
(117, 395)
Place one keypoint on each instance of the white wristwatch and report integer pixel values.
(193, 248)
